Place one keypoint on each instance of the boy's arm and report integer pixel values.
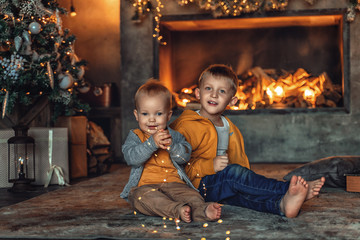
(136, 152)
(180, 149)
(200, 166)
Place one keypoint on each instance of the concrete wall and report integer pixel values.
(291, 137)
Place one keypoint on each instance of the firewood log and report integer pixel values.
(333, 96)
(327, 85)
(301, 73)
(320, 100)
(330, 103)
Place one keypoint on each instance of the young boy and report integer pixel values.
(219, 167)
(156, 153)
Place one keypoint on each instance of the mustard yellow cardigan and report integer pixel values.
(202, 135)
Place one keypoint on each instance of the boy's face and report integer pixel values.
(152, 113)
(215, 93)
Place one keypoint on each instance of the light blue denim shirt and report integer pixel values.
(136, 153)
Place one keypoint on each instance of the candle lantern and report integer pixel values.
(21, 160)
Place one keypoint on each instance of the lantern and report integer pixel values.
(21, 160)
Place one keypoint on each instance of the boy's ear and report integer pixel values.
(136, 115)
(169, 115)
(197, 93)
(233, 101)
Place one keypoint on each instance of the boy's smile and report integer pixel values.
(212, 103)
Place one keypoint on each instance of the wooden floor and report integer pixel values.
(8, 198)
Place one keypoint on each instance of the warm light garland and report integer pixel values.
(236, 7)
(223, 8)
(176, 223)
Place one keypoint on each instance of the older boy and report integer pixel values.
(219, 167)
(155, 152)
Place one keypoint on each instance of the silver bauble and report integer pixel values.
(34, 27)
(65, 81)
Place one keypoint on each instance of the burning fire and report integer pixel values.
(261, 88)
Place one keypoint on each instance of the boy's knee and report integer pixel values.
(236, 171)
(194, 198)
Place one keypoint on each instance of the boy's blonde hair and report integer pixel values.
(151, 88)
(221, 71)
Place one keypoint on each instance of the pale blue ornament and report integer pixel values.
(34, 27)
(18, 41)
(65, 81)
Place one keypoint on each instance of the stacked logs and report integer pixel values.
(256, 84)
(99, 152)
(269, 88)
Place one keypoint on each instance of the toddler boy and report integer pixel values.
(158, 185)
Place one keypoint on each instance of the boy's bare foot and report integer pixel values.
(295, 196)
(314, 188)
(213, 211)
(185, 213)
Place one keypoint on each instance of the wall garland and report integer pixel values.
(222, 8)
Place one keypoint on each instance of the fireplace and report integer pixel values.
(293, 61)
(270, 134)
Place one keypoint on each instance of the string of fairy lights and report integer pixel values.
(164, 227)
(176, 221)
(222, 8)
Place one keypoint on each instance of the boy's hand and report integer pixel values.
(162, 139)
(220, 163)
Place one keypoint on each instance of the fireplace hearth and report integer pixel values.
(295, 60)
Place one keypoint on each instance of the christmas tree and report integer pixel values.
(37, 58)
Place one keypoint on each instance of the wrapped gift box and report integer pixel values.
(4, 136)
(77, 128)
(59, 156)
(352, 182)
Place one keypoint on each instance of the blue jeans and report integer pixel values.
(239, 186)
